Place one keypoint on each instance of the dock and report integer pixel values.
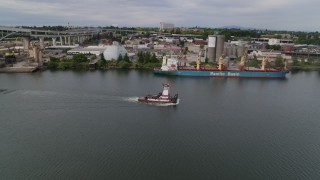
(20, 67)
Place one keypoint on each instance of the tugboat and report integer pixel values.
(161, 98)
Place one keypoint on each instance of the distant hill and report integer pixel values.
(238, 27)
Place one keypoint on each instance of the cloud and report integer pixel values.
(271, 14)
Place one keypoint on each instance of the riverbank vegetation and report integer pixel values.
(145, 60)
(310, 63)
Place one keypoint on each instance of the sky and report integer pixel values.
(291, 15)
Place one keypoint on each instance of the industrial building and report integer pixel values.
(273, 41)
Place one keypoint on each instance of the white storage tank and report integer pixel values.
(113, 51)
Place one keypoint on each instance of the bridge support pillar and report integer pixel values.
(41, 40)
(61, 41)
(69, 40)
(54, 41)
(26, 42)
(65, 40)
(36, 53)
(81, 39)
(73, 40)
(40, 63)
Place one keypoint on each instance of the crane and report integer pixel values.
(264, 61)
(243, 59)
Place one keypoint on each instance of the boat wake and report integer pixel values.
(130, 99)
(6, 91)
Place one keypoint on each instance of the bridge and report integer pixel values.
(67, 37)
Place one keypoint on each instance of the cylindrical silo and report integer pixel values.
(240, 50)
(220, 46)
(211, 54)
(227, 50)
(233, 50)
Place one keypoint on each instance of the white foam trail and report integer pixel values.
(130, 99)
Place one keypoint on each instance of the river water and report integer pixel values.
(89, 125)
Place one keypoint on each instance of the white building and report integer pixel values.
(239, 43)
(166, 26)
(109, 52)
(96, 50)
(274, 41)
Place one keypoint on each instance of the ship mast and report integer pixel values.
(220, 62)
(285, 64)
(164, 60)
(198, 61)
(243, 59)
(264, 61)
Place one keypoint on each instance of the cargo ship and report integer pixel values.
(170, 67)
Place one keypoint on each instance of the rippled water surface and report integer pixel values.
(89, 125)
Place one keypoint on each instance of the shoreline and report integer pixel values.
(34, 69)
(299, 68)
(18, 69)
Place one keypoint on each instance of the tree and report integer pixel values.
(181, 42)
(147, 57)
(154, 58)
(185, 50)
(274, 47)
(53, 63)
(147, 35)
(252, 63)
(102, 56)
(54, 59)
(177, 31)
(120, 58)
(126, 58)
(140, 57)
(295, 62)
(268, 64)
(279, 62)
(123, 64)
(78, 58)
(102, 62)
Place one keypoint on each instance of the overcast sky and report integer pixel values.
(296, 15)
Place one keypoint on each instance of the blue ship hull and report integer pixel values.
(225, 73)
